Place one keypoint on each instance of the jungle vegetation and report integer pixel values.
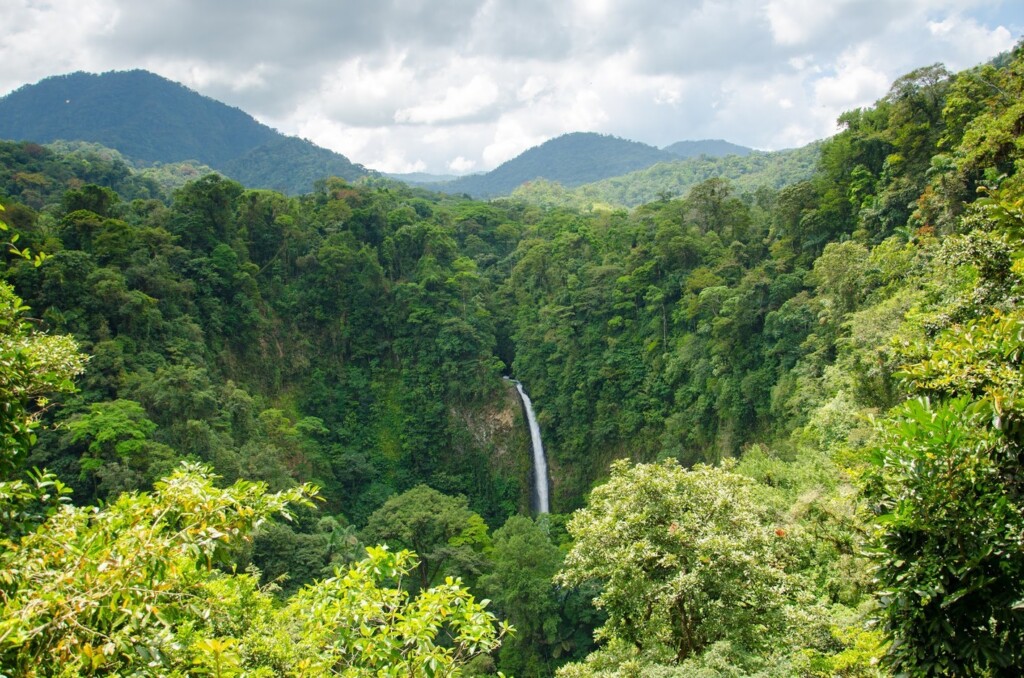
(785, 425)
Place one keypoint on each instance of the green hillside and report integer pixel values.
(140, 114)
(571, 160)
(675, 178)
(784, 430)
(713, 148)
(150, 120)
(290, 165)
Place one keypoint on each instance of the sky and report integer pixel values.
(456, 86)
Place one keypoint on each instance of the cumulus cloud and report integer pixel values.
(970, 40)
(463, 85)
(855, 80)
(793, 22)
(460, 101)
(461, 165)
(38, 40)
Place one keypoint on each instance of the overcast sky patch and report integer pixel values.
(463, 85)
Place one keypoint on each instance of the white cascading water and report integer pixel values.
(540, 463)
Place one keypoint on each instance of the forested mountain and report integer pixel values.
(571, 160)
(666, 180)
(784, 427)
(713, 148)
(290, 165)
(153, 120)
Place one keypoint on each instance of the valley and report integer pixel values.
(778, 395)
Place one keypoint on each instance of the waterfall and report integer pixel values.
(540, 463)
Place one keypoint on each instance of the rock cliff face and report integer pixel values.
(498, 428)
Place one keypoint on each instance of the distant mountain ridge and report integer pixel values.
(151, 119)
(414, 178)
(580, 158)
(572, 160)
(713, 148)
(746, 173)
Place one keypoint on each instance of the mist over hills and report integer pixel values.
(151, 119)
(414, 178)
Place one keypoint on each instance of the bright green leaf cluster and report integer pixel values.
(947, 491)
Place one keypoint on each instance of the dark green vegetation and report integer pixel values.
(813, 394)
(153, 120)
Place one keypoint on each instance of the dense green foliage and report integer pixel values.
(686, 558)
(153, 120)
(571, 160)
(289, 165)
(93, 157)
(706, 566)
(813, 392)
(447, 536)
(136, 587)
(951, 511)
(261, 335)
(553, 624)
(35, 176)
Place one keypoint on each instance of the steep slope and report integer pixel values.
(151, 119)
(714, 148)
(290, 165)
(571, 160)
(143, 115)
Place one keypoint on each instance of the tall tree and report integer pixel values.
(446, 535)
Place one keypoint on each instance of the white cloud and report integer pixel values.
(534, 86)
(459, 85)
(461, 165)
(794, 22)
(42, 39)
(459, 102)
(509, 140)
(855, 83)
(359, 92)
(971, 41)
(203, 76)
(668, 95)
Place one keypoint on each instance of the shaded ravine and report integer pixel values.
(541, 502)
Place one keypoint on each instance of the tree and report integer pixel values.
(33, 367)
(524, 593)
(446, 535)
(947, 491)
(111, 583)
(141, 587)
(357, 624)
(686, 558)
(839, 275)
(120, 451)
